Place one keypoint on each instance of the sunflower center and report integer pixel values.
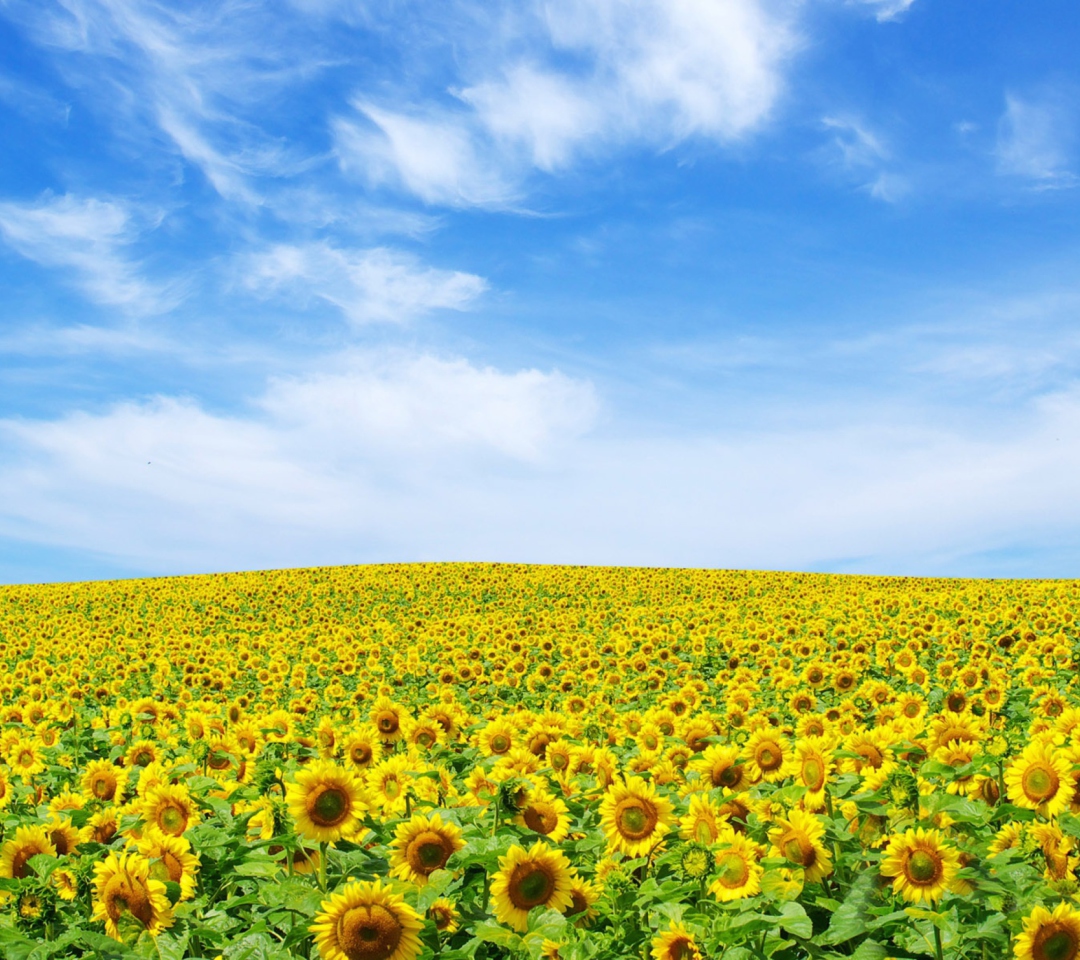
(729, 776)
(387, 723)
(500, 743)
(703, 832)
(330, 807)
(732, 870)
(124, 894)
(172, 820)
(1040, 782)
(799, 852)
(768, 756)
(103, 788)
(361, 754)
(368, 933)
(635, 818)
(871, 755)
(542, 819)
(923, 867)
(813, 774)
(428, 852)
(19, 869)
(530, 885)
(391, 788)
(681, 949)
(1055, 944)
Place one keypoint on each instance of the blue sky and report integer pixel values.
(726, 283)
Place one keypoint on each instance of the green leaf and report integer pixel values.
(436, 885)
(870, 950)
(794, 920)
(849, 920)
(500, 936)
(258, 867)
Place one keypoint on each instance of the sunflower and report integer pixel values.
(634, 816)
(738, 873)
(367, 921)
(421, 846)
(444, 915)
(169, 808)
(143, 753)
(5, 788)
(101, 827)
(103, 780)
(26, 759)
(388, 781)
(1040, 779)
(326, 801)
(361, 749)
(171, 860)
(675, 943)
(702, 821)
(544, 813)
(123, 888)
(65, 838)
(921, 864)
(720, 766)
(387, 717)
(27, 842)
(1050, 935)
(800, 838)
(538, 877)
(496, 738)
(65, 883)
(811, 766)
(766, 754)
(583, 894)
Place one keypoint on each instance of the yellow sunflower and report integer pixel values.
(388, 781)
(387, 717)
(766, 754)
(1050, 935)
(27, 842)
(444, 915)
(5, 788)
(538, 877)
(720, 766)
(326, 801)
(367, 921)
(738, 873)
(123, 887)
(103, 780)
(421, 846)
(65, 883)
(634, 816)
(1040, 779)
(811, 766)
(170, 809)
(65, 838)
(675, 943)
(26, 759)
(800, 838)
(546, 814)
(921, 864)
(496, 738)
(361, 749)
(171, 860)
(702, 821)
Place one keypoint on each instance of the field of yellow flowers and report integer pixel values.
(471, 761)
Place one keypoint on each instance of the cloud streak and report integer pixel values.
(91, 238)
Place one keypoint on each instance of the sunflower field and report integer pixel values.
(475, 761)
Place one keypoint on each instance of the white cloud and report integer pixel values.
(435, 158)
(579, 78)
(885, 9)
(321, 459)
(89, 237)
(373, 285)
(418, 458)
(1034, 141)
(861, 152)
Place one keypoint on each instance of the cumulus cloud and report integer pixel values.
(1035, 140)
(90, 238)
(373, 285)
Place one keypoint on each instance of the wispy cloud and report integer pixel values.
(1035, 141)
(885, 9)
(91, 238)
(373, 285)
(862, 153)
(580, 79)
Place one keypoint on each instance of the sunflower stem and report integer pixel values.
(938, 955)
(323, 847)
